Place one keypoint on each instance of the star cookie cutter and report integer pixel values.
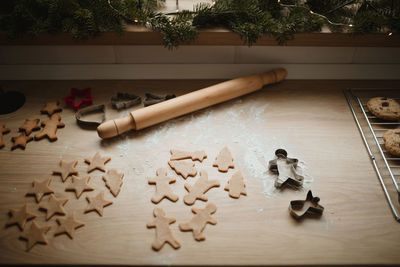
(309, 207)
(286, 170)
(151, 99)
(80, 115)
(84, 95)
(125, 100)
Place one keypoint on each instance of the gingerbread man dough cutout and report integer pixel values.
(236, 186)
(30, 126)
(224, 160)
(199, 155)
(199, 221)
(163, 232)
(184, 168)
(3, 130)
(163, 190)
(50, 128)
(200, 187)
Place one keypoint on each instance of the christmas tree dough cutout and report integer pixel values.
(29, 126)
(50, 128)
(20, 217)
(224, 160)
(20, 141)
(163, 190)
(97, 203)
(200, 187)
(199, 155)
(236, 186)
(66, 169)
(35, 234)
(79, 185)
(97, 162)
(113, 180)
(199, 221)
(53, 206)
(68, 225)
(39, 189)
(51, 107)
(3, 130)
(183, 168)
(163, 231)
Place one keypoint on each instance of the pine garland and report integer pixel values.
(250, 19)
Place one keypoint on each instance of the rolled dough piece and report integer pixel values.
(224, 160)
(199, 155)
(200, 187)
(163, 232)
(236, 185)
(199, 221)
(113, 180)
(163, 190)
(184, 168)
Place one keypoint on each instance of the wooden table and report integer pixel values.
(310, 119)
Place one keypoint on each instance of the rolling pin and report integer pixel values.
(175, 107)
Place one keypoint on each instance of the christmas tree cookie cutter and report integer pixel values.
(286, 170)
(152, 99)
(308, 207)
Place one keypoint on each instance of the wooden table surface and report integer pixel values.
(310, 119)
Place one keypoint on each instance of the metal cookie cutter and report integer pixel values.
(91, 109)
(125, 100)
(84, 95)
(286, 169)
(309, 207)
(154, 99)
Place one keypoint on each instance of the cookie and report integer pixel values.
(20, 141)
(236, 186)
(198, 190)
(224, 160)
(39, 189)
(35, 234)
(183, 168)
(97, 203)
(199, 155)
(53, 206)
(66, 168)
(3, 130)
(97, 162)
(199, 221)
(384, 108)
(51, 107)
(20, 217)
(68, 225)
(113, 180)
(50, 128)
(392, 141)
(79, 185)
(163, 190)
(29, 126)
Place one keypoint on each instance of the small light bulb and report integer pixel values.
(279, 1)
(390, 33)
(311, 12)
(350, 25)
(136, 20)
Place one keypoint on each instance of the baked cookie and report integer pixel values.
(384, 108)
(392, 141)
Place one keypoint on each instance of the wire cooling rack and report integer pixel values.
(371, 129)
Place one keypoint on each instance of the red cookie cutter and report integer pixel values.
(84, 95)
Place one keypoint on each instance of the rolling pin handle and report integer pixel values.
(274, 76)
(115, 127)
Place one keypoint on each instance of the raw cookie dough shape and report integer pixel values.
(198, 222)
(53, 206)
(66, 168)
(51, 107)
(68, 225)
(30, 126)
(97, 203)
(236, 185)
(35, 234)
(20, 141)
(200, 187)
(224, 160)
(184, 168)
(50, 128)
(163, 190)
(199, 155)
(309, 207)
(392, 141)
(3, 130)
(113, 180)
(39, 189)
(97, 162)
(163, 232)
(20, 217)
(79, 185)
(384, 108)
(286, 169)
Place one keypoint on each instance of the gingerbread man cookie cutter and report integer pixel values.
(308, 207)
(286, 170)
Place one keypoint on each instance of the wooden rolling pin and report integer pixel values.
(175, 107)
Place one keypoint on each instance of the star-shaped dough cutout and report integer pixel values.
(20, 141)
(66, 168)
(97, 203)
(39, 189)
(53, 206)
(97, 162)
(30, 126)
(51, 107)
(35, 234)
(79, 185)
(68, 225)
(20, 217)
